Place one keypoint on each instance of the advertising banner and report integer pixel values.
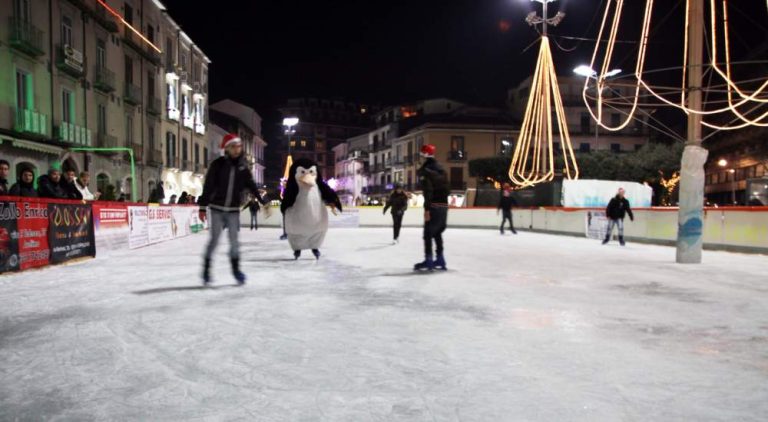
(111, 224)
(182, 224)
(71, 233)
(34, 250)
(160, 223)
(138, 227)
(597, 225)
(9, 236)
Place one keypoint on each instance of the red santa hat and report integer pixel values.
(428, 150)
(230, 139)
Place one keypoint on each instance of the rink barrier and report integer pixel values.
(36, 232)
(738, 229)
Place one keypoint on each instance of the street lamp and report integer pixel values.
(590, 73)
(722, 163)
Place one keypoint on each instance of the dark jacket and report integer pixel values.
(3, 186)
(398, 202)
(23, 189)
(434, 184)
(72, 191)
(253, 206)
(183, 199)
(225, 181)
(47, 189)
(507, 202)
(618, 208)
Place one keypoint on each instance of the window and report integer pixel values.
(150, 86)
(22, 10)
(205, 156)
(151, 33)
(638, 147)
(457, 143)
(128, 70)
(615, 147)
(197, 154)
(67, 106)
(556, 148)
(292, 143)
(101, 119)
(615, 119)
(66, 30)
(151, 136)
(184, 61)
(303, 143)
(24, 91)
(584, 147)
(457, 178)
(173, 101)
(585, 122)
(101, 54)
(184, 149)
(128, 13)
(170, 149)
(129, 130)
(168, 52)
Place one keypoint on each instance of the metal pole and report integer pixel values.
(691, 214)
(544, 15)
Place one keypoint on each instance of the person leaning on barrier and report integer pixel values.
(25, 186)
(5, 170)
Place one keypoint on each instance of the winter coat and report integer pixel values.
(507, 201)
(71, 189)
(85, 193)
(183, 199)
(398, 202)
(618, 208)
(46, 188)
(434, 184)
(3, 186)
(253, 206)
(225, 181)
(22, 189)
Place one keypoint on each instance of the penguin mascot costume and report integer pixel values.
(304, 200)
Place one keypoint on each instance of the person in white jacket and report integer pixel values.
(82, 185)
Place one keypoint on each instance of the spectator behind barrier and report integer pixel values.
(5, 170)
(82, 186)
(50, 185)
(25, 186)
(70, 185)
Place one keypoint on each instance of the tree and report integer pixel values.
(491, 169)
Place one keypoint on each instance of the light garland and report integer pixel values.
(732, 107)
(533, 161)
(128, 25)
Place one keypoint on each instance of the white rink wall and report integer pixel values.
(742, 229)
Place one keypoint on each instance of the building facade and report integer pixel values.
(352, 170)
(106, 95)
(233, 117)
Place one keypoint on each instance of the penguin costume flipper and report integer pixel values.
(329, 195)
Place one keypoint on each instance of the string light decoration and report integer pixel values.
(533, 161)
(738, 98)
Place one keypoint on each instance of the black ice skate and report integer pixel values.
(239, 276)
(296, 254)
(440, 263)
(316, 253)
(206, 272)
(426, 265)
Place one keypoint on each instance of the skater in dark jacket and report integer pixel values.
(254, 207)
(227, 178)
(434, 184)
(617, 209)
(25, 187)
(398, 202)
(506, 202)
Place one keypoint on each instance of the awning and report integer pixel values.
(34, 146)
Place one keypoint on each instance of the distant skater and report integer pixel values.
(506, 202)
(398, 202)
(617, 208)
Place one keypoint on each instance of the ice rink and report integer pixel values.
(522, 328)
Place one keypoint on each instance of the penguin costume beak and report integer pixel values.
(308, 179)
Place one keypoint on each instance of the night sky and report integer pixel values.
(388, 52)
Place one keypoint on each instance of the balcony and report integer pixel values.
(105, 19)
(104, 79)
(457, 156)
(26, 37)
(186, 165)
(200, 168)
(200, 128)
(154, 106)
(105, 140)
(132, 94)
(138, 152)
(142, 47)
(30, 122)
(73, 134)
(70, 61)
(155, 158)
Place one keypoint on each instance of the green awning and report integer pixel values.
(34, 146)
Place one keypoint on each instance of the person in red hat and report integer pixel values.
(228, 176)
(434, 185)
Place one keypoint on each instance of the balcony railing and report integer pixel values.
(26, 37)
(155, 158)
(132, 94)
(73, 134)
(105, 140)
(104, 79)
(154, 106)
(186, 165)
(200, 128)
(457, 156)
(105, 19)
(200, 168)
(141, 47)
(30, 122)
(138, 152)
(70, 61)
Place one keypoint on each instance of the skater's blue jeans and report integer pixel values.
(220, 220)
(433, 230)
(619, 222)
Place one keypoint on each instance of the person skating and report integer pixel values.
(228, 176)
(25, 186)
(253, 207)
(434, 184)
(506, 202)
(617, 209)
(304, 207)
(398, 202)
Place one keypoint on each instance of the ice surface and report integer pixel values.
(527, 327)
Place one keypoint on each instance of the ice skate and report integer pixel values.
(206, 272)
(440, 263)
(239, 276)
(316, 253)
(296, 254)
(427, 265)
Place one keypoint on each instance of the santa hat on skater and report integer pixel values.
(230, 139)
(428, 150)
